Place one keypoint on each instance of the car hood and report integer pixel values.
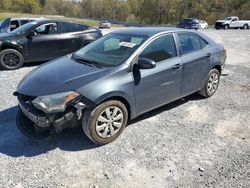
(60, 75)
(6, 36)
(221, 20)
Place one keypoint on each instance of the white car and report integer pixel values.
(232, 22)
(11, 24)
(104, 24)
(203, 24)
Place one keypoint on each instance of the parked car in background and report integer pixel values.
(190, 23)
(117, 78)
(203, 24)
(43, 40)
(104, 24)
(232, 22)
(11, 24)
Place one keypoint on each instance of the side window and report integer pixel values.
(189, 43)
(203, 42)
(68, 27)
(13, 25)
(46, 29)
(160, 49)
(24, 22)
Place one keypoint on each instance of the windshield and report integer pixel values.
(24, 28)
(110, 50)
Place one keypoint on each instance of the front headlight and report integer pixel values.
(55, 103)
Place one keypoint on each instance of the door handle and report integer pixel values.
(209, 55)
(177, 66)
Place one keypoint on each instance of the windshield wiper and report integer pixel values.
(86, 61)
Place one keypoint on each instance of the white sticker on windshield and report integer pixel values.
(127, 44)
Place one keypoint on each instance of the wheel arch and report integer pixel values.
(5, 47)
(122, 99)
(218, 67)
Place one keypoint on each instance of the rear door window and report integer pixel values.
(160, 49)
(203, 42)
(24, 22)
(14, 24)
(68, 27)
(191, 42)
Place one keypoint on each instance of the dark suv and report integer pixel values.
(43, 40)
(190, 23)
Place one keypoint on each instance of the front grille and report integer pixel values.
(26, 98)
(26, 102)
(35, 115)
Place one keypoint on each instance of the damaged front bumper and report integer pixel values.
(36, 122)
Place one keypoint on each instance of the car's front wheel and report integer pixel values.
(226, 27)
(106, 122)
(211, 84)
(11, 59)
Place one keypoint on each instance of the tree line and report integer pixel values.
(137, 11)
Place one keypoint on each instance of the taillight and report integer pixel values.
(225, 51)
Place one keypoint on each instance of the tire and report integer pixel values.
(11, 59)
(211, 84)
(96, 127)
(226, 27)
(245, 26)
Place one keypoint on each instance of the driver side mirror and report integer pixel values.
(144, 63)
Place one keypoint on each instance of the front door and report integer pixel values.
(44, 43)
(162, 84)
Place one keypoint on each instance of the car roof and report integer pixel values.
(147, 31)
(26, 18)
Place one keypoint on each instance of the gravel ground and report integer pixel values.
(192, 142)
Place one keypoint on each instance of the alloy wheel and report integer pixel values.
(213, 82)
(109, 122)
(11, 60)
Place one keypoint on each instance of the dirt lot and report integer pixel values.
(192, 142)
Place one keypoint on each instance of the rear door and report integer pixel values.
(196, 56)
(162, 84)
(45, 44)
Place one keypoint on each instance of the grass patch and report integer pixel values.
(4, 15)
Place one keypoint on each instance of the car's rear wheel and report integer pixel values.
(211, 84)
(106, 122)
(11, 59)
(245, 26)
(226, 27)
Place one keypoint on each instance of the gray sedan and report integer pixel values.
(117, 78)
